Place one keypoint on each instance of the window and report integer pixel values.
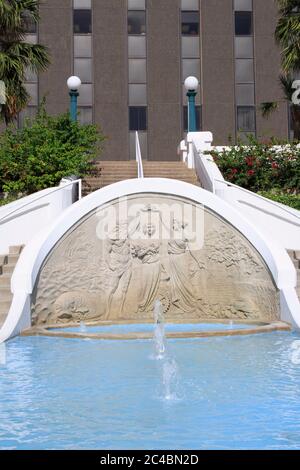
(190, 47)
(82, 46)
(243, 23)
(136, 22)
(137, 94)
(82, 21)
(190, 5)
(198, 118)
(136, 46)
(82, 4)
(29, 24)
(245, 95)
(137, 70)
(137, 118)
(83, 69)
(190, 67)
(30, 76)
(190, 23)
(32, 90)
(136, 4)
(143, 145)
(86, 95)
(85, 115)
(243, 5)
(27, 114)
(246, 118)
(244, 47)
(244, 70)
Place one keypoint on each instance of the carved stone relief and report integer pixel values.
(115, 269)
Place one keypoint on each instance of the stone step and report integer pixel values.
(5, 280)
(8, 268)
(2, 318)
(15, 250)
(12, 259)
(3, 259)
(5, 306)
(5, 294)
(296, 263)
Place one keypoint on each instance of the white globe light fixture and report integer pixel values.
(74, 84)
(191, 83)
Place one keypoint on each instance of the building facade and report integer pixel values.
(134, 55)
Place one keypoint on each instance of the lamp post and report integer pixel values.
(191, 85)
(74, 84)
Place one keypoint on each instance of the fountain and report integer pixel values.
(169, 368)
(159, 330)
(295, 352)
(170, 374)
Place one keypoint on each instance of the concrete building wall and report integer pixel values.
(164, 62)
(267, 70)
(56, 32)
(164, 79)
(218, 109)
(110, 53)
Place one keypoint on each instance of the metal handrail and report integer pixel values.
(273, 203)
(138, 156)
(59, 188)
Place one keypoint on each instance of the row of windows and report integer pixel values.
(138, 118)
(82, 21)
(244, 67)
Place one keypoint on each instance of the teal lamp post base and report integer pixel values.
(74, 84)
(191, 85)
(192, 124)
(73, 104)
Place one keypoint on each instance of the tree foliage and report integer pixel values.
(287, 34)
(16, 55)
(44, 151)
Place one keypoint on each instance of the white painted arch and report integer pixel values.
(37, 250)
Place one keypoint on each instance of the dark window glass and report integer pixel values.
(137, 118)
(243, 23)
(29, 24)
(198, 118)
(190, 23)
(82, 21)
(246, 118)
(136, 22)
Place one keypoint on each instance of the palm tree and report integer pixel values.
(286, 83)
(17, 56)
(287, 34)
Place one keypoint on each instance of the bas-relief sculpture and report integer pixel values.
(118, 275)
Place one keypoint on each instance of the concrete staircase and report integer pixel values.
(295, 256)
(7, 266)
(109, 172)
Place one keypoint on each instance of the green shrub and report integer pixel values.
(291, 200)
(261, 167)
(44, 151)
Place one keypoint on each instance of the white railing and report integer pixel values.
(279, 206)
(21, 220)
(138, 156)
(21, 207)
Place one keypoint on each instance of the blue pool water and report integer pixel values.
(230, 393)
(148, 327)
